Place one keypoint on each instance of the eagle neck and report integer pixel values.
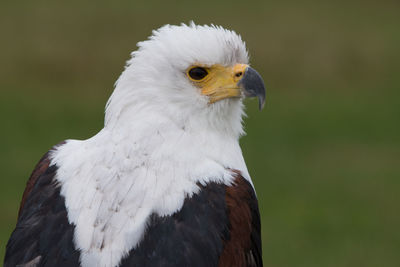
(135, 168)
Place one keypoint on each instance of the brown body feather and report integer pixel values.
(244, 246)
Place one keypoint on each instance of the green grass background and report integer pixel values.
(324, 154)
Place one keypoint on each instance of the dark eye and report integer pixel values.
(197, 73)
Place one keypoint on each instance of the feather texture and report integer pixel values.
(164, 152)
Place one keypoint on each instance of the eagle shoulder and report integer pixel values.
(38, 171)
(43, 236)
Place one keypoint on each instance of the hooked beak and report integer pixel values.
(253, 86)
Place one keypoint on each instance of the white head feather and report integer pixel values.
(155, 81)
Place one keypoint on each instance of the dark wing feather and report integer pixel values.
(192, 236)
(43, 235)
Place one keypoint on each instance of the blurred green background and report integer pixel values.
(324, 154)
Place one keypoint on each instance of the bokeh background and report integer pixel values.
(324, 154)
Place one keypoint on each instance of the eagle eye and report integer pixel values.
(197, 73)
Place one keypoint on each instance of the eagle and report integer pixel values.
(164, 183)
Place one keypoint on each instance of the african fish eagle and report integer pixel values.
(164, 183)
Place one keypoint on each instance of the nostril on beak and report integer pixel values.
(238, 74)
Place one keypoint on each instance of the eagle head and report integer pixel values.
(196, 76)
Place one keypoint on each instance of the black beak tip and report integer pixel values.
(261, 102)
